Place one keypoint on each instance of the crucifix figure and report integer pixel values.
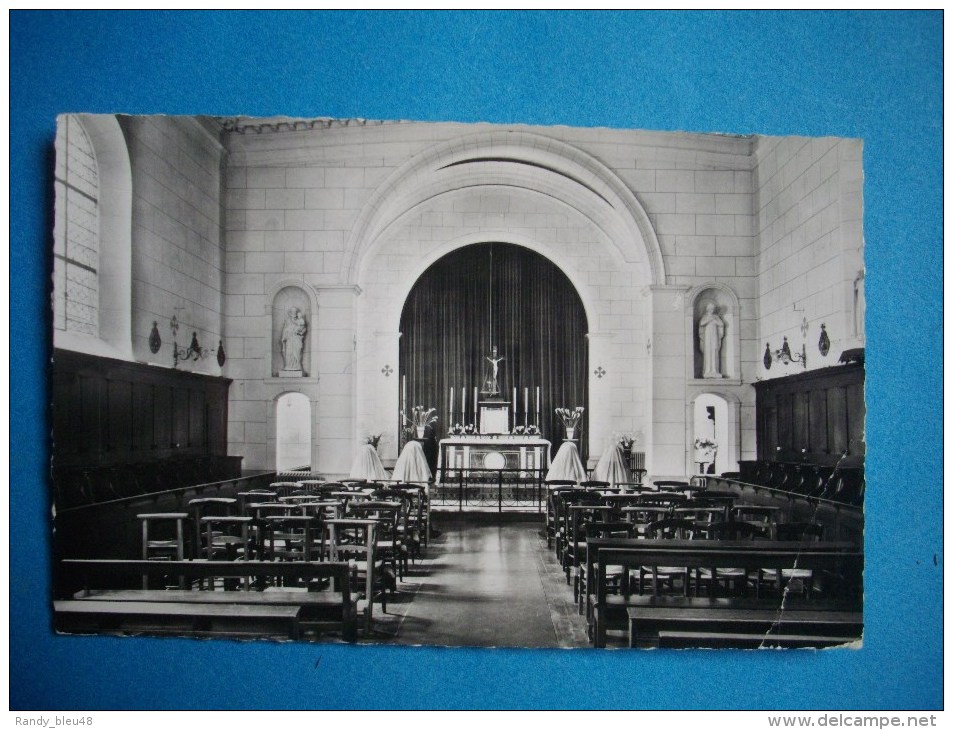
(492, 385)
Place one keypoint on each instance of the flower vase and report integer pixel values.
(570, 433)
(420, 431)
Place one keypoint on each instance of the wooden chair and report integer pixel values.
(553, 489)
(588, 530)
(783, 579)
(356, 540)
(390, 518)
(203, 507)
(565, 500)
(221, 542)
(764, 518)
(288, 537)
(162, 546)
(283, 489)
(668, 529)
(254, 496)
(734, 578)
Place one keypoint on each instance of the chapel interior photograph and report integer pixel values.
(353, 381)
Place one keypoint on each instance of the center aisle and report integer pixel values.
(492, 585)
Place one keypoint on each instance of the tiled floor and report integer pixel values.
(484, 585)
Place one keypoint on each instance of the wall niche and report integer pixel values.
(292, 330)
(714, 334)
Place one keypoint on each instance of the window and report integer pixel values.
(76, 231)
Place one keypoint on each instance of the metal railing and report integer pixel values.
(514, 489)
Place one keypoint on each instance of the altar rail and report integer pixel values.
(503, 489)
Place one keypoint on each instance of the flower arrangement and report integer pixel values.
(373, 439)
(704, 444)
(570, 417)
(459, 430)
(420, 417)
(530, 430)
(626, 440)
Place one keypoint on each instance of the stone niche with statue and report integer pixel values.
(291, 328)
(714, 333)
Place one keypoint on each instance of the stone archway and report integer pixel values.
(531, 191)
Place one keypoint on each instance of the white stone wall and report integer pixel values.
(178, 255)
(809, 198)
(307, 205)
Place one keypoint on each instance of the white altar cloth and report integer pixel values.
(567, 465)
(367, 465)
(611, 466)
(411, 465)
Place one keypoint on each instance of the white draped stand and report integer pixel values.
(611, 467)
(567, 465)
(367, 465)
(412, 465)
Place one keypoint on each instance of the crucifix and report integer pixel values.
(491, 385)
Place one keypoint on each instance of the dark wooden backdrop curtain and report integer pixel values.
(537, 321)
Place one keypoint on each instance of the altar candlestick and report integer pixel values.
(525, 406)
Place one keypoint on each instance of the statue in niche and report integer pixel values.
(292, 341)
(711, 330)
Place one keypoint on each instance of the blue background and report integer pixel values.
(874, 76)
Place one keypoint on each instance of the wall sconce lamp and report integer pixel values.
(784, 355)
(194, 351)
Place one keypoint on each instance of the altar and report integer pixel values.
(493, 451)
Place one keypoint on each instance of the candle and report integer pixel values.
(475, 408)
(514, 406)
(537, 405)
(525, 406)
(451, 407)
(463, 404)
(403, 388)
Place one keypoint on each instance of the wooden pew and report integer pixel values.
(317, 609)
(605, 614)
(596, 544)
(709, 640)
(758, 623)
(181, 618)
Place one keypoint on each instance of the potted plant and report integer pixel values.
(420, 418)
(705, 450)
(374, 440)
(570, 418)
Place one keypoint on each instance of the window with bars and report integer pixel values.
(75, 231)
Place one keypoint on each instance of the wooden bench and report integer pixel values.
(188, 618)
(712, 554)
(335, 606)
(594, 545)
(709, 640)
(758, 623)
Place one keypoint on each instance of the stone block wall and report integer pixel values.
(809, 197)
(178, 253)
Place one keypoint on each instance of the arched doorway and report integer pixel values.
(714, 420)
(502, 295)
(293, 437)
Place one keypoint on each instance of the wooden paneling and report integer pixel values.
(109, 412)
(813, 418)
